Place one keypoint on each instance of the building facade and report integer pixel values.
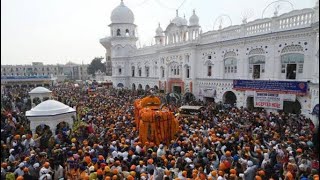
(39, 74)
(280, 48)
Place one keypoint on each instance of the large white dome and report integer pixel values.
(194, 19)
(179, 21)
(122, 14)
(49, 108)
(39, 90)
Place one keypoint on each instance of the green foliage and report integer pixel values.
(96, 65)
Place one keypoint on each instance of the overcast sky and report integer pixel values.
(57, 31)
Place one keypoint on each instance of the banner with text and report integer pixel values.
(268, 100)
(283, 87)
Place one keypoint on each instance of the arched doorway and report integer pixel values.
(36, 101)
(229, 98)
(155, 88)
(133, 87)
(45, 133)
(120, 85)
(292, 107)
(139, 87)
(147, 87)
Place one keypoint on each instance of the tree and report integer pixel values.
(96, 65)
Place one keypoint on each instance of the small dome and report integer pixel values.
(184, 22)
(39, 90)
(179, 21)
(194, 20)
(49, 108)
(122, 14)
(159, 31)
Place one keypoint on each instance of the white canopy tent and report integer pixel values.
(41, 93)
(50, 113)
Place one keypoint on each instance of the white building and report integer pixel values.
(281, 48)
(39, 74)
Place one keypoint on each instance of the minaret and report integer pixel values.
(159, 36)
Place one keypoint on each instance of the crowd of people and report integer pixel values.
(222, 144)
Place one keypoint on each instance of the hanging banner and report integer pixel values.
(283, 87)
(268, 100)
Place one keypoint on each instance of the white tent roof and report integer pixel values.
(49, 108)
(39, 90)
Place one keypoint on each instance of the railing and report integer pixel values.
(292, 20)
(296, 19)
(260, 26)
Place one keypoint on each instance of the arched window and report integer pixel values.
(162, 72)
(292, 60)
(127, 32)
(118, 32)
(174, 69)
(230, 63)
(133, 71)
(257, 62)
(187, 68)
(209, 68)
(120, 71)
(140, 72)
(147, 71)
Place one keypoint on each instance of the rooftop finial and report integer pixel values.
(177, 12)
(159, 24)
(194, 11)
(121, 3)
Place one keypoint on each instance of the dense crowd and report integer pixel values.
(224, 143)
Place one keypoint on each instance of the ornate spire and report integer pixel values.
(177, 14)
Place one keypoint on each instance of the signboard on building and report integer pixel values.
(268, 100)
(290, 87)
